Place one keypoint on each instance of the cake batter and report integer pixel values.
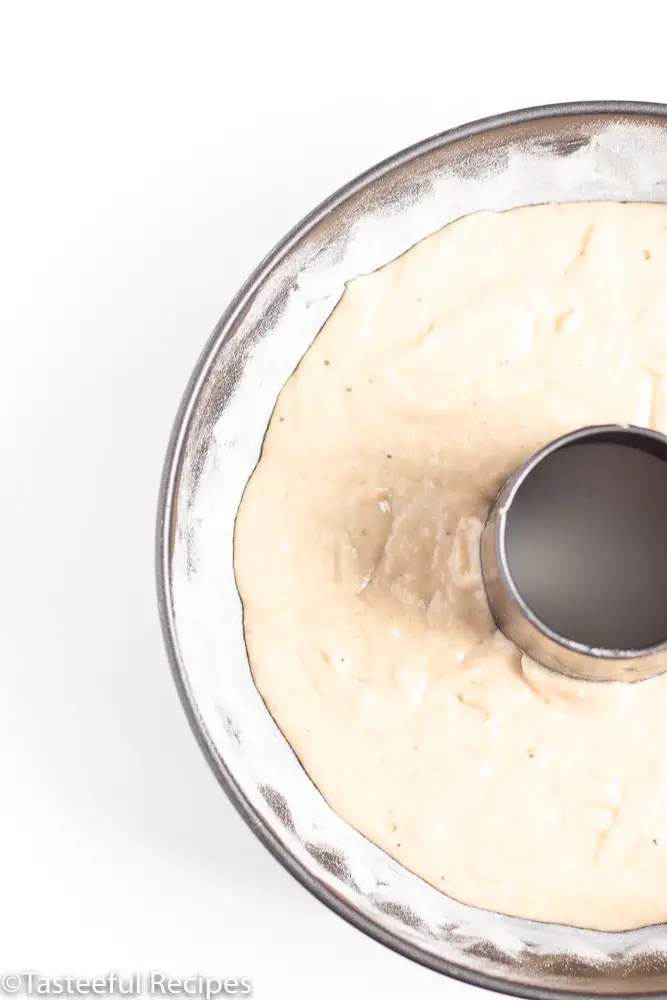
(503, 784)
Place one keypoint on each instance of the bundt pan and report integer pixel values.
(573, 152)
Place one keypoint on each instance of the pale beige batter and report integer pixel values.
(501, 783)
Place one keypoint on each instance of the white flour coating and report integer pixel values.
(502, 784)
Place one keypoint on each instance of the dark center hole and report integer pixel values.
(586, 543)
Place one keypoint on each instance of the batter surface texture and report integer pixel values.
(503, 784)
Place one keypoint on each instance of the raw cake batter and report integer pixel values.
(503, 784)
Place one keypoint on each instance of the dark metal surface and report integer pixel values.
(540, 961)
(598, 524)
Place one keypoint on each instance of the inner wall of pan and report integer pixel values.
(567, 158)
(585, 543)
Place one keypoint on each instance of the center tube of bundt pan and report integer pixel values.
(574, 554)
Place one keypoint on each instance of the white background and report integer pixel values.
(151, 153)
